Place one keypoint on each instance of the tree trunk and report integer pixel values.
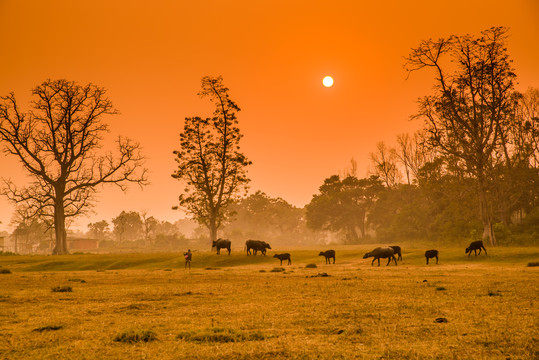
(362, 225)
(213, 229)
(486, 216)
(60, 247)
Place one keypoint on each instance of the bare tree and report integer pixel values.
(350, 170)
(57, 143)
(471, 104)
(209, 161)
(385, 165)
(413, 153)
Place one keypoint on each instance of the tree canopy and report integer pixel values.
(210, 163)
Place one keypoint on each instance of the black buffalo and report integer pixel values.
(285, 256)
(476, 245)
(381, 252)
(429, 254)
(330, 254)
(397, 250)
(256, 245)
(221, 244)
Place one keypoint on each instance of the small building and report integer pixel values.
(76, 244)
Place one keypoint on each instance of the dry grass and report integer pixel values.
(356, 312)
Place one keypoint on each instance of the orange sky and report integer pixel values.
(151, 55)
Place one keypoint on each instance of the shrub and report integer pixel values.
(310, 266)
(277, 269)
(134, 336)
(48, 328)
(531, 264)
(62, 289)
(5, 271)
(77, 280)
(7, 253)
(219, 335)
(440, 288)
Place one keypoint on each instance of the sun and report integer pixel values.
(328, 81)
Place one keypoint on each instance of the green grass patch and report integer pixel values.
(62, 289)
(219, 335)
(82, 281)
(413, 256)
(311, 266)
(135, 336)
(277, 269)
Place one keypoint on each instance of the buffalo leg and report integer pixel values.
(436, 259)
(485, 251)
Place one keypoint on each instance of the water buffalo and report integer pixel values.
(285, 256)
(257, 245)
(329, 254)
(397, 250)
(476, 245)
(221, 244)
(381, 252)
(429, 254)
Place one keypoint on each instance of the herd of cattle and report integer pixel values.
(389, 252)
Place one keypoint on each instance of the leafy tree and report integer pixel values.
(259, 216)
(471, 104)
(344, 205)
(99, 229)
(57, 143)
(209, 160)
(127, 226)
(29, 230)
(149, 225)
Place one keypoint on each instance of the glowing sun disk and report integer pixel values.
(328, 81)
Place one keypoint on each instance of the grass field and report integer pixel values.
(146, 306)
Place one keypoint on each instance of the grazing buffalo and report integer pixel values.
(381, 252)
(329, 254)
(429, 254)
(476, 245)
(221, 244)
(397, 250)
(285, 256)
(257, 245)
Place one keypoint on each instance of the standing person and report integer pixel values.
(188, 256)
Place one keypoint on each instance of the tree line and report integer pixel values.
(470, 172)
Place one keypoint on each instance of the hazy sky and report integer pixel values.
(151, 55)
